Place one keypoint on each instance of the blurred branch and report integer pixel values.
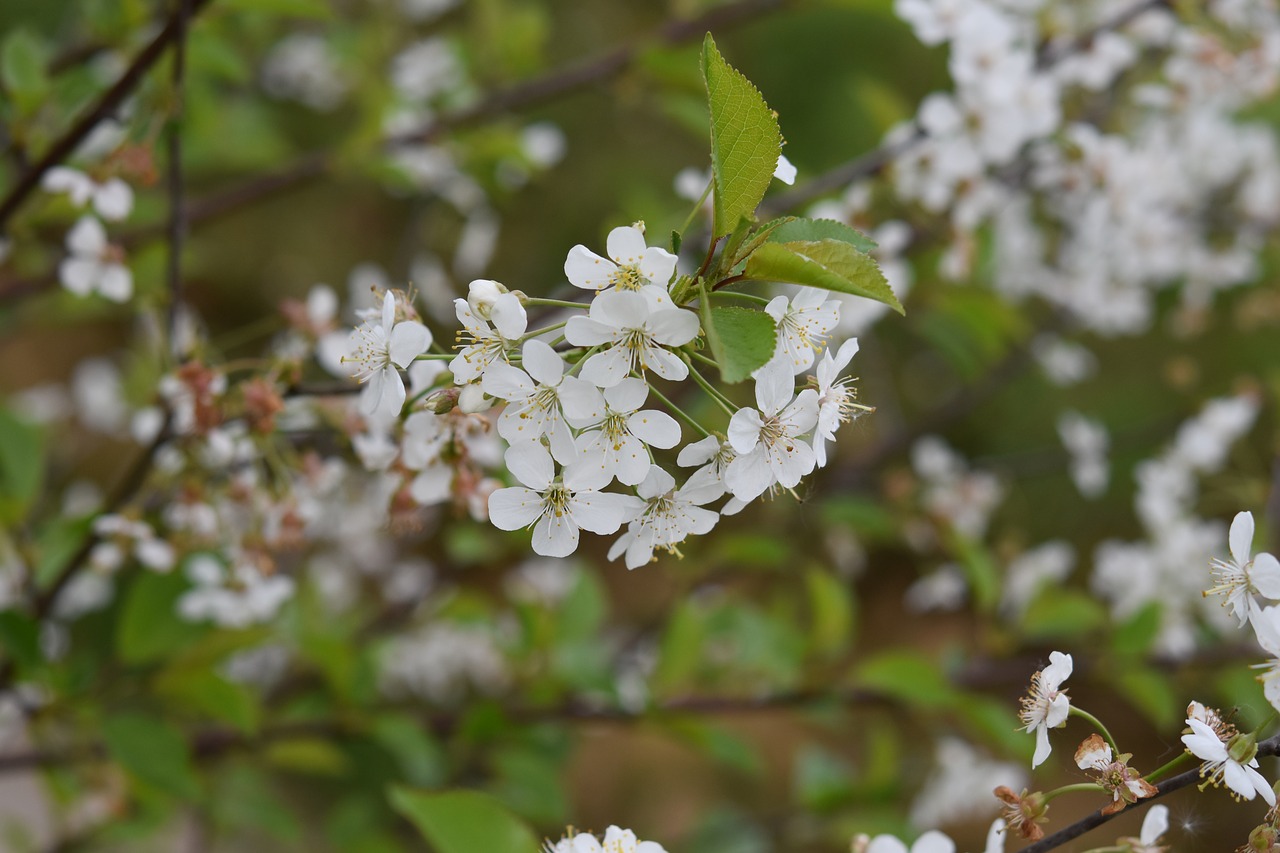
(177, 214)
(106, 104)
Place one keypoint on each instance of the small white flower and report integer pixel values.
(835, 398)
(803, 325)
(616, 840)
(533, 398)
(785, 171)
(931, 842)
(634, 267)
(670, 515)
(616, 447)
(481, 294)
(714, 456)
(1238, 774)
(378, 348)
(1046, 706)
(556, 509)
(1244, 575)
(488, 344)
(95, 265)
(767, 439)
(635, 335)
(1154, 825)
(112, 199)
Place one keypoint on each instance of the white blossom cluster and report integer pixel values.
(1131, 574)
(576, 412)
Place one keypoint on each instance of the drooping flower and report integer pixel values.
(556, 509)
(836, 398)
(631, 266)
(803, 324)
(669, 516)
(1231, 763)
(1113, 773)
(95, 266)
(613, 443)
(1244, 575)
(636, 337)
(1046, 705)
(487, 344)
(767, 439)
(378, 348)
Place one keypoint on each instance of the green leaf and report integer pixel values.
(21, 466)
(419, 756)
(20, 637)
(745, 140)
(23, 60)
(908, 677)
(463, 821)
(979, 570)
(1136, 635)
(1063, 613)
(741, 340)
(152, 751)
(830, 612)
(794, 229)
(312, 756)
(824, 783)
(1151, 693)
(827, 264)
(149, 626)
(212, 696)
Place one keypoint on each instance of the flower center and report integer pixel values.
(628, 277)
(556, 500)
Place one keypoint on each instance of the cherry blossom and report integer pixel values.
(488, 344)
(112, 199)
(378, 348)
(635, 335)
(1245, 575)
(836, 398)
(631, 266)
(1046, 705)
(533, 398)
(616, 840)
(94, 265)
(616, 445)
(804, 321)
(669, 516)
(1230, 763)
(767, 439)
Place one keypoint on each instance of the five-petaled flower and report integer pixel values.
(1231, 763)
(1243, 576)
(767, 439)
(1046, 705)
(379, 348)
(634, 267)
(637, 338)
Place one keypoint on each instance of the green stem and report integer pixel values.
(536, 332)
(1079, 787)
(679, 411)
(434, 356)
(555, 303)
(697, 206)
(1166, 769)
(740, 295)
(721, 400)
(586, 355)
(1097, 724)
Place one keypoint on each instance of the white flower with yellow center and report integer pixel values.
(378, 348)
(533, 398)
(1046, 705)
(482, 344)
(616, 840)
(631, 266)
(615, 438)
(670, 515)
(556, 509)
(1244, 575)
(636, 337)
(803, 324)
(837, 398)
(767, 439)
(1231, 763)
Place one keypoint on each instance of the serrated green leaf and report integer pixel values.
(745, 140)
(21, 466)
(908, 677)
(153, 751)
(795, 229)
(741, 340)
(149, 627)
(463, 821)
(827, 264)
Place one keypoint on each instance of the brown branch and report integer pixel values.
(100, 110)
(177, 228)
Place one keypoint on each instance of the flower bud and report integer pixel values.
(1263, 839)
(472, 400)
(442, 401)
(1243, 747)
(481, 295)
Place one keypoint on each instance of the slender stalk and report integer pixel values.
(721, 400)
(1078, 788)
(556, 303)
(1165, 769)
(679, 411)
(434, 356)
(1097, 724)
(697, 206)
(537, 332)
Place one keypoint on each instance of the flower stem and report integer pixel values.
(737, 294)
(555, 303)
(433, 356)
(586, 355)
(1165, 769)
(721, 400)
(679, 411)
(1079, 787)
(1097, 724)
(697, 206)
(536, 332)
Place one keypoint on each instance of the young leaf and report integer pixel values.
(152, 751)
(745, 141)
(795, 229)
(741, 340)
(463, 821)
(149, 627)
(21, 466)
(827, 264)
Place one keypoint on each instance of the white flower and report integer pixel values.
(669, 516)
(931, 842)
(634, 267)
(1046, 706)
(378, 348)
(487, 343)
(1154, 825)
(616, 840)
(113, 199)
(785, 170)
(835, 399)
(1266, 624)
(803, 324)
(636, 338)
(714, 456)
(1237, 773)
(1243, 575)
(481, 294)
(94, 265)
(555, 508)
(767, 440)
(616, 447)
(534, 398)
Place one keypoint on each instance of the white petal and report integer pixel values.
(514, 508)
(775, 386)
(507, 383)
(555, 536)
(673, 327)
(372, 393)
(786, 173)
(116, 282)
(603, 512)
(388, 311)
(1241, 537)
(585, 269)
(744, 430)
(932, 841)
(664, 363)
(562, 449)
(509, 316)
(408, 341)
(620, 310)
(113, 200)
(586, 332)
(656, 482)
(434, 485)
(582, 402)
(699, 452)
(1043, 749)
(628, 395)
(607, 368)
(749, 476)
(79, 275)
(1265, 575)
(1058, 670)
(654, 428)
(531, 464)
(658, 266)
(626, 245)
(87, 237)
(632, 461)
(777, 308)
(1155, 824)
(543, 363)
(393, 394)
(793, 463)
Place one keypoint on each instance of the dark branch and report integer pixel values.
(177, 213)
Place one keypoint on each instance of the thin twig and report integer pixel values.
(177, 215)
(66, 145)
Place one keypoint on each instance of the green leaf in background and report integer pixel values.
(211, 696)
(23, 60)
(799, 230)
(830, 612)
(149, 626)
(420, 758)
(20, 638)
(979, 570)
(745, 141)
(1151, 693)
(909, 677)
(1063, 613)
(464, 821)
(21, 466)
(828, 264)
(741, 340)
(824, 783)
(1135, 635)
(152, 751)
